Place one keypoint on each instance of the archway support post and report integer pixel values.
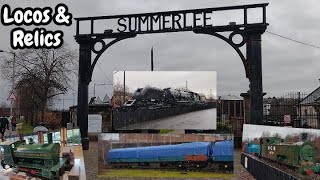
(84, 79)
(255, 73)
(86, 67)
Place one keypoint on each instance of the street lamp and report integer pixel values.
(13, 73)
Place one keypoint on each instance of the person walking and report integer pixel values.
(13, 123)
(7, 123)
(3, 125)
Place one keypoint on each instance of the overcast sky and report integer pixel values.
(287, 66)
(197, 81)
(255, 131)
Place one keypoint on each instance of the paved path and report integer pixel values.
(10, 133)
(204, 119)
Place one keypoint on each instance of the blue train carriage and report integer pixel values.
(192, 155)
(223, 154)
(185, 155)
(36, 159)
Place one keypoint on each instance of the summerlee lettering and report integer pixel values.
(170, 21)
(165, 22)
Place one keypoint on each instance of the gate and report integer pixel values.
(293, 109)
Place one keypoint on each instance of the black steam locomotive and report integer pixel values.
(168, 97)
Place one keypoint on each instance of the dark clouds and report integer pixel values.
(287, 66)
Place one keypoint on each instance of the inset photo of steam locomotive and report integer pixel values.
(164, 100)
(165, 155)
(293, 151)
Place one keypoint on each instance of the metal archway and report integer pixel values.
(250, 33)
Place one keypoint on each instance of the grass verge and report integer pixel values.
(165, 131)
(138, 173)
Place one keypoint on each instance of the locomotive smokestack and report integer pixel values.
(304, 136)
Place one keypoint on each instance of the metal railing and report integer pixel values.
(123, 117)
(260, 170)
(300, 106)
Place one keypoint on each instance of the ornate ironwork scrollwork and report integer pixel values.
(229, 40)
(104, 47)
(242, 34)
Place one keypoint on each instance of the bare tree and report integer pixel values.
(29, 102)
(3, 106)
(118, 87)
(41, 74)
(265, 134)
(118, 93)
(287, 138)
(276, 135)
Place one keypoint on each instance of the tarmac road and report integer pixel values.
(204, 119)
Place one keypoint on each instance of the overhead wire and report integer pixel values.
(300, 42)
(104, 74)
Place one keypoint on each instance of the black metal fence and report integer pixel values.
(123, 117)
(263, 171)
(295, 109)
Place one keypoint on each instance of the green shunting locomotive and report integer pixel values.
(300, 155)
(36, 159)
